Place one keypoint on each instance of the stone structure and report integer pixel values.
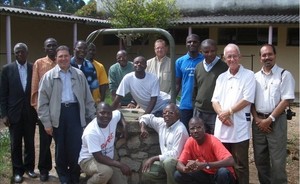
(135, 150)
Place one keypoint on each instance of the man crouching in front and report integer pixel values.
(97, 151)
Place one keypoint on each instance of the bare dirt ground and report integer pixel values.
(292, 160)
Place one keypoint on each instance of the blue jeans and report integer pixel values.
(222, 176)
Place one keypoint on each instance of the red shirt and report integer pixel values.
(211, 150)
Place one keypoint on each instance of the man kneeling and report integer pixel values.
(97, 151)
(204, 159)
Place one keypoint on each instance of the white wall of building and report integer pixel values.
(217, 5)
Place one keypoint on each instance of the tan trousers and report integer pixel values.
(100, 173)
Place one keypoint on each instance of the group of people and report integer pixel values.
(65, 95)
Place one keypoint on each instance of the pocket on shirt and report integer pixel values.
(166, 76)
(275, 88)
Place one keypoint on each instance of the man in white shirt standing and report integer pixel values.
(160, 65)
(232, 98)
(275, 89)
(172, 137)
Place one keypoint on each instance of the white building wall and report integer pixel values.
(212, 5)
(217, 5)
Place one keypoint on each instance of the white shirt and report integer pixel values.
(95, 139)
(228, 91)
(171, 139)
(272, 88)
(23, 74)
(142, 90)
(209, 66)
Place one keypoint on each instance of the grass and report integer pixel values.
(5, 163)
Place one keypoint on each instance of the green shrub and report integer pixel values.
(5, 163)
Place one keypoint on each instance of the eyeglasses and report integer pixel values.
(232, 56)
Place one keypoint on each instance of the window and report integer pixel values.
(180, 35)
(292, 37)
(246, 36)
(114, 40)
(110, 39)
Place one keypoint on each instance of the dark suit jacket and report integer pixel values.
(13, 100)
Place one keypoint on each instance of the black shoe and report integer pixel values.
(31, 174)
(18, 178)
(44, 177)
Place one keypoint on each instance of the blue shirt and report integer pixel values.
(185, 69)
(89, 71)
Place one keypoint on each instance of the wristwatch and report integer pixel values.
(207, 166)
(273, 118)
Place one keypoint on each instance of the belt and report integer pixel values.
(69, 104)
(264, 115)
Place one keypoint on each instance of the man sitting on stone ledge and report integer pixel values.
(144, 89)
(172, 137)
(97, 152)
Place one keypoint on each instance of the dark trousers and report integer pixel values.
(270, 152)
(67, 139)
(24, 129)
(185, 116)
(209, 120)
(45, 159)
(239, 153)
(222, 176)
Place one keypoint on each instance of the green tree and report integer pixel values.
(68, 6)
(141, 13)
(89, 10)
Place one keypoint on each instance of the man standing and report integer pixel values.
(40, 67)
(232, 98)
(97, 151)
(17, 113)
(206, 74)
(204, 159)
(101, 73)
(274, 90)
(160, 65)
(172, 137)
(185, 68)
(79, 61)
(144, 88)
(65, 105)
(117, 72)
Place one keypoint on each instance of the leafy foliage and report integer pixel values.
(141, 13)
(5, 164)
(68, 6)
(89, 10)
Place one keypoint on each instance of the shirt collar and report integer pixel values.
(237, 75)
(273, 69)
(173, 125)
(19, 65)
(212, 63)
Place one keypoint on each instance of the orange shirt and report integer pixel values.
(40, 67)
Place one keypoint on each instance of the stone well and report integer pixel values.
(135, 150)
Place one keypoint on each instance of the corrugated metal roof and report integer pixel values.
(12, 10)
(240, 19)
(224, 19)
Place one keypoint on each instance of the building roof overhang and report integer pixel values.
(239, 19)
(5, 10)
(186, 20)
